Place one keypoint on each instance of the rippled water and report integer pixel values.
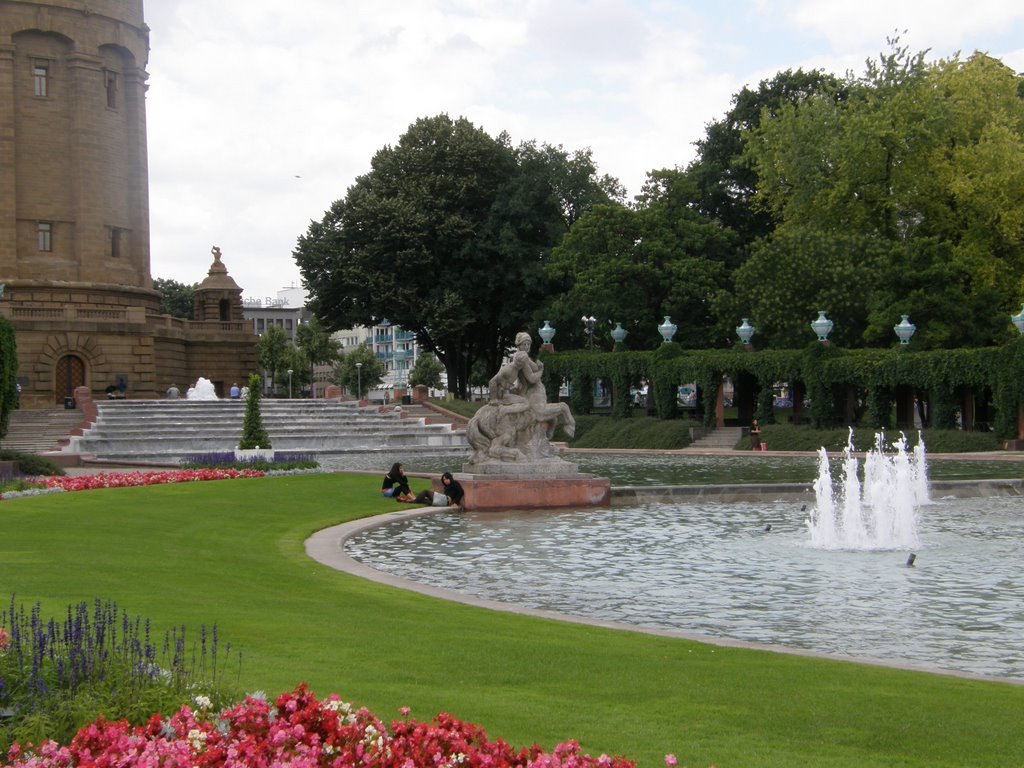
(716, 570)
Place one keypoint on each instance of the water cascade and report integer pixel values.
(202, 390)
(881, 512)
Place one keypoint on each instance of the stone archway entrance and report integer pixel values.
(70, 373)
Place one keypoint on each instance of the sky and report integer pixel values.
(262, 113)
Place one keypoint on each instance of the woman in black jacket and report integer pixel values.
(396, 484)
(451, 497)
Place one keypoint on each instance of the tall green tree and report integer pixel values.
(726, 178)
(925, 161)
(446, 236)
(316, 345)
(176, 299)
(426, 371)
(271, 349)
(358, 371)
(254, 433)
(634, 265)
(296, 361)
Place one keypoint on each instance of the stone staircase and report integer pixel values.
(40, 431)
(162, 431)
(720, 439)
(431, 413)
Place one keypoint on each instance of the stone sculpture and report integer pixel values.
(517, 424)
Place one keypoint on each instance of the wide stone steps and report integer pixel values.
(720, 439)
(39, 431)
(166, 430)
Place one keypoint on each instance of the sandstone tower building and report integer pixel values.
(74, 214)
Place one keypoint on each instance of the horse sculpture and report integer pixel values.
(518, 422)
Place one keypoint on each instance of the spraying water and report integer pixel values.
(881, 513)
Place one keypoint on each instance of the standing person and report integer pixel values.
(172, 392)
(451, 497)
(755, 436)
(396, 484)
(235, 392)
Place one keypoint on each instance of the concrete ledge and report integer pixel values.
(627, 494)
(490, 493)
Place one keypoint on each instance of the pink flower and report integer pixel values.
(670, 761)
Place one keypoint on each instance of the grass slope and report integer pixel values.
(231, 552)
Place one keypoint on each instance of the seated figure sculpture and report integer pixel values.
(518, 422)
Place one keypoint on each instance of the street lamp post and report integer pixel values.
(588, 328)
(290, 372)
(359, 382)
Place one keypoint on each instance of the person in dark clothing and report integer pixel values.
(396, 484)
(451, 497)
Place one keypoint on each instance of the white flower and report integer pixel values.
(196, 739)
(202, 702)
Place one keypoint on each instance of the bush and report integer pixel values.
(786, 437)
(635, 432)
(254, 434)
(58, 676)
(31, 464)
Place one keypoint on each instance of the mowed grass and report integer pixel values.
(231, 553)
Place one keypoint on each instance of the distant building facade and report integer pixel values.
(74, 215)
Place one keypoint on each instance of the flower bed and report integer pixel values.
(296, 731)
(130, 479)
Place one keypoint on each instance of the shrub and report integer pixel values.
(31, 464)
(254, 434)
(58, 676)
(786, 437)
(636, 432)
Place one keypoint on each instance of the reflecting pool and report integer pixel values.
(743, 571)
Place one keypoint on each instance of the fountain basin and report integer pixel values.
(717, 570)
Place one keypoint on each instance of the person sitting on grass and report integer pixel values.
(396, 484)
(452, 496)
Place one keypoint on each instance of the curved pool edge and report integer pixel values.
(327, 547)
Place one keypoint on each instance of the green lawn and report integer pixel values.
(231, 552)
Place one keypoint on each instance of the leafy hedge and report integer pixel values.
(831, 378)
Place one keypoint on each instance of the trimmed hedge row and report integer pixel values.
(826, 375)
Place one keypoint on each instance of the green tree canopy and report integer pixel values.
(316, 343)
(426, 371)
(926, 163)
(358, 371)
(176, 299)
(446, 236)
(725, 176)
(634, 265)
(271, 349)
